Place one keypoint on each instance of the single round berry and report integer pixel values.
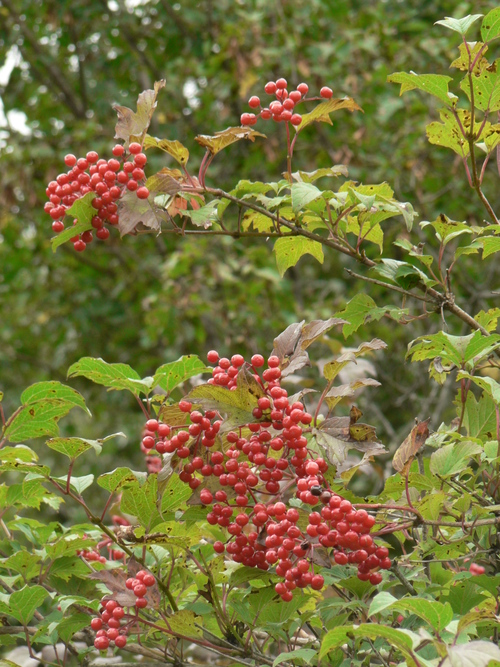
(254, 102)
(303, 88)
(96, 624)
(121, 641)
(79, 246)
(70, 160)
(57, 226)
(118, 150)
(142, 192)
(257, 360)
(270, 87)
(281, 84)
(140, 159)
(141, 603)
(101, 643)
(134, 148)
(326, 92)
(296, 119)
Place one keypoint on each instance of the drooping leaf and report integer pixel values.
(204, 216)
(460, 25)
(163, 182)
(305, 654)
(468, 54)
(290, 346)
(447, 229)
(119, 478)
(134, 124)
(257, 221)
(289, 249)
(338, 393)
(236, 405)
(133, 212)
(74, 447)
(175, 373)
(321, 113)
(113, 376)
(173, 147)
(436, 614)
(412, 444)
(184, 622)
(488, 319)
(490, 26)
(81, 210)
(67, 627)
(230, 135)
(43, 404)
(434, 84)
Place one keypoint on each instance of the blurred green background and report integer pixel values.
(147, 300)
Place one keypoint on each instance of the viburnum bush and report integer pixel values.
(242, 540)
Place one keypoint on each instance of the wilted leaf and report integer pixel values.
(173, 148)
(135, 123)
(133, 211)
(226, 137)
(291, 344)
(336, 394)
(412, 444)
(163, 183)
(237, 406)
(321, 113)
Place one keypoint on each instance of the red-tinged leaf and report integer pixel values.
(406, 452)
(226, 137)
(173, 148)
(133, 212)
(134, 124)
(321, 114)
(114, 580)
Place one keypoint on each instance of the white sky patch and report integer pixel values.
(14, 119)
(190, 91)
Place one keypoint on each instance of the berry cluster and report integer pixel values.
(282, 109)
(108, 624)
(257, 469)
(107, 178)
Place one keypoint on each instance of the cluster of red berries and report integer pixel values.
(476, 569)
(107, 178)
(260, 466)
(282, 109)
(108, 624)
(95, 555)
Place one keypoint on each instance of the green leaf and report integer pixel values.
(395, 638)
(436, 614)
(448, 133)
(23, 562)
(140, 501)
(289, 250)
(480, 416)
(306, 654)
(204, 216)
(381, 601)
(434, 84)
(447, 229)
(303, 194)
(74, 447)
(277, 614)
(361, 309)
(450, 459)
(485, 86)
(321, 113)
(311, 176)
(490, 26)
(221, 140)
(71, 624)
(236, 405)
(488, 319)
(490, 245)
(119, 478)
(24, 603)
(113, 376)
(174, 495)
(78, 483)
(81, 210)
(460, 25)
(175, 373)
(44, 403)
(489, 385)
(173, 148)
(134, 124)
(333, 639)
(184, 622)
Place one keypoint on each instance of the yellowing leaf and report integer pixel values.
(289, 249)
(173, 147)
(321, 114)
(135, 123)
(226, 137)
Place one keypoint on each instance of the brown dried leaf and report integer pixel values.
(135, 123)
(133, 211)
(115, 580)
(163, 183)
(354, 415)
(336, 394)
(226, 137)
(290, 345)
(406, 452)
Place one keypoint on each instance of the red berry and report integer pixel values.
(140, 590)
(79, 246)
(141, 603)
(118, 150)
(142, 192)
(69, 160)
(132, 185)
(121, 641)
(101, 643)
(296, 119)
(326, 92)
(134, 148)
(295, 96)
(248, 119)
(148, 580)
(281, 84)
(254, 102)
(102, 233)
(57, 226)
(92, 157)
(270, 87)
(317, 582)
(96, 624)
(185, 406)
(265, 114)
(257, 360)
(140, 159)
(303, 88)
